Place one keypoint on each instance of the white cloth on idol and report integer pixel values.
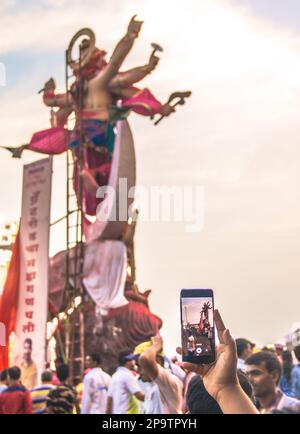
(104, 273)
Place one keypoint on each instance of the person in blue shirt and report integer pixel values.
(285, 383)
(296, 374)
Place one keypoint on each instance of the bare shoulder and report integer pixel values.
(166, 376)
(98, 81)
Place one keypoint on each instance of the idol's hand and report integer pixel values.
(153, 61)
(50, 85)
(134, 27)
(166, 110)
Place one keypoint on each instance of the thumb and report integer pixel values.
(198, 369)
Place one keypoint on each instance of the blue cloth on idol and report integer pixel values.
(98, 132)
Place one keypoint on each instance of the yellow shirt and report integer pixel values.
(79, 390)
(29, 375)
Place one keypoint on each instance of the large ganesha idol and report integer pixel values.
(101, 98)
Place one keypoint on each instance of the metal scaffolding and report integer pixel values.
(74, 340)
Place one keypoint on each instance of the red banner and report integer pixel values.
(8, 301)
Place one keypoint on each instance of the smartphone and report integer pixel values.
(197, 326)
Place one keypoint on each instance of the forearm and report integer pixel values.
(147, 361)
(233, 400)
(148, 357)
(109, 405)
(60, 100)
(132, 76)
(77, 407)
(60, 117)
(120, 52)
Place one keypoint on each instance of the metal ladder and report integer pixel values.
(74, 341)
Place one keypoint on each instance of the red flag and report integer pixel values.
(9, 300)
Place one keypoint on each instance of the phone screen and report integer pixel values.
(197, 326)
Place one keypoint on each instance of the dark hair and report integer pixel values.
(160, 360)
(287, 365)
(28, 341)
(14, 373)
(123, 357)
(266, 358)
(59, 361)
(297, 352)
(62, 372)
(96, 358)
(199, 401)
(245, 383)
(241, 345)
(3, 375)
(270, 349)
(47, 376)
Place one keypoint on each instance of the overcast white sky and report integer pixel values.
(238, 137)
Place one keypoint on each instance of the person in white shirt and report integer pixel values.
(151, 364)
(152, 403)
(124, 392)
(264, 372)
(95, 388)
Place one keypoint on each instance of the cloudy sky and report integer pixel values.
(238, 138)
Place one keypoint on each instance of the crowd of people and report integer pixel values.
(243, 379)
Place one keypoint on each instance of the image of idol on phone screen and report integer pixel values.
(197, 328)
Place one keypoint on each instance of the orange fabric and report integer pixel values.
(95, 64)
(9, 300)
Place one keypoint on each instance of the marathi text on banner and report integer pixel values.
(33, 291)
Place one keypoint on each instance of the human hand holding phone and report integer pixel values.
(223, 372)
(220, 378)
